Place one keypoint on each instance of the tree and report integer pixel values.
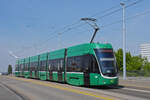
(135, 63)
(146, 67)
(128, 60)
(9, 69)
(119, 58)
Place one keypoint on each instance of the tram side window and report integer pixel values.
(69, 66)
(49, 65)
(16, 67)
(40, 67)
(52, 65)
(86, 63)
(43, 65)
(74, 64)
(56, 65)
(21, 67)
(26, 67)
(78, 61)
(35, 65)
(94, 65)
(61, 64)
(31, 66)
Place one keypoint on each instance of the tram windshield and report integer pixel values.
(107, 62)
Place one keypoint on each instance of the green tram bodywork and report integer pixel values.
(86, 64)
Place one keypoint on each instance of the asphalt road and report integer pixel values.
(32, 89)
(7, 93)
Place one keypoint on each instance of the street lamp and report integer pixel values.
(124, 40)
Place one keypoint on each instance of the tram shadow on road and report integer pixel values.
(105, 87)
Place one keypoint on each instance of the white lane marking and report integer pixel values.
(137, 90)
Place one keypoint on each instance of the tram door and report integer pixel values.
(86, 77)
(36, 73)
(86, 71)
(50, 72)
(60, 69)
(36, 70)
(50, 75)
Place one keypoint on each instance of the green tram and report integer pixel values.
(86, 64)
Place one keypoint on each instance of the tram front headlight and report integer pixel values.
(96, 76)
(112, 81)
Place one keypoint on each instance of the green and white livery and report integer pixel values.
(86, 64)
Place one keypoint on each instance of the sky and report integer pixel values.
(31, 27)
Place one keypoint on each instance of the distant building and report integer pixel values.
(145, 50)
